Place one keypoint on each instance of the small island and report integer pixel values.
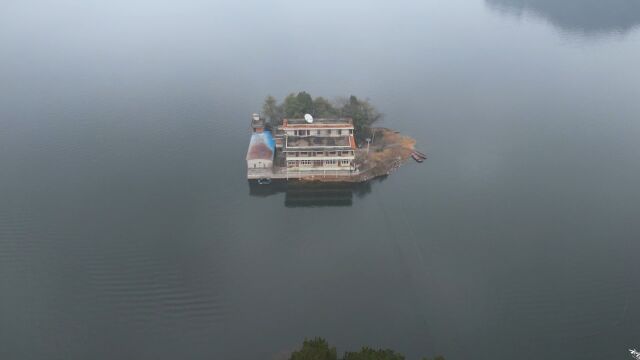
(317, 140)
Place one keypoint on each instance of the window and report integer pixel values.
(305, 162)
(292, 163)
(330, 162)
(344, 162)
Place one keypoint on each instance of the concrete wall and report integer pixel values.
(259, 164)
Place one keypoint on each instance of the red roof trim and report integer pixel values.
(352, 142)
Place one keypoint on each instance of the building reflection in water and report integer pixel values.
(300, 194)
(588, 17)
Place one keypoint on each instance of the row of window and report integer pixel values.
(320, 132)
(294, 163)
(322, 153)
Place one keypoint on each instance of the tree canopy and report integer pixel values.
(297, 105)
(319, 349)
(370, 354)
(315, 349)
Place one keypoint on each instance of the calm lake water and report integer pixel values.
(128, 230)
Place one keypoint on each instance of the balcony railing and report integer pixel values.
(305, 155)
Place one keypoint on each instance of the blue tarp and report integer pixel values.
(261, 146)
(269, 140)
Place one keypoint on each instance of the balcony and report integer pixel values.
(327, 154)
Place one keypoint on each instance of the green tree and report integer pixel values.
(370, 354)
(271, 110)
(362, 113)
(291, 107)
(322, 108)
(295, 106)
(306, 103)
(315, 349)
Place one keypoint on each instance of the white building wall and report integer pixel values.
(302, 165)
(259, 164)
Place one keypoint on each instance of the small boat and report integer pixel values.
(264, 181)
(416, 157)
(420, 154)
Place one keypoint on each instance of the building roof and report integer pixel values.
(298, 143)
(261, 146)
(318, 123)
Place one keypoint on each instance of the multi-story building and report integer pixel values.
(325, 145)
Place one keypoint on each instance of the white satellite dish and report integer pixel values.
(308, 118)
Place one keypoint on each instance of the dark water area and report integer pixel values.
(315, 194)
(588, 17)
(128, 229)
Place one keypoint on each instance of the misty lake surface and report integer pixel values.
(128, 229)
